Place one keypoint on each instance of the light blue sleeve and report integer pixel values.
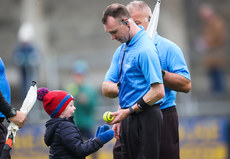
(4, 85)
(150, 66)
(176, 62)
(113, 72)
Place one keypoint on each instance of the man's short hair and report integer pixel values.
(115, 10)
(138, 5)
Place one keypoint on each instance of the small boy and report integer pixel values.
(61, 134)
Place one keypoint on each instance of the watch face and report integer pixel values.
(14, 112)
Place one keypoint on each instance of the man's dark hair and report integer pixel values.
(115, 10)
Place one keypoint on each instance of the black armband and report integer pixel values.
(142, 105)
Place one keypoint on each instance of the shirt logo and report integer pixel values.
(127, 66)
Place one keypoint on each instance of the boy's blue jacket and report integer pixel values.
(65, 140)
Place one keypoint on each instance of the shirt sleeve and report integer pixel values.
(176, 62)
(5, 107)
(113, 72)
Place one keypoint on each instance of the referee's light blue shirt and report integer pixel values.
(171, 60)
(141, 68)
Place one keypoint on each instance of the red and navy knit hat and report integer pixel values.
(54, 102)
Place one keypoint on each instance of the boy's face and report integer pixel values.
(69, 110)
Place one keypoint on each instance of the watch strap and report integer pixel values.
(131, 111)
(12, 113)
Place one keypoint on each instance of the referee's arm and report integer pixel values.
(177, 82)
(155, 93)
(110, 89)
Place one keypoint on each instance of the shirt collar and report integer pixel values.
(137, 36)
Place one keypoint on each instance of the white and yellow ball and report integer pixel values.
(108, 117)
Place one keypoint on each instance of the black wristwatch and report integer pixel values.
(12, 113)
(131, 111)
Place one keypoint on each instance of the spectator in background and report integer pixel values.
(86, 99)
(213, 45)
(26, 56)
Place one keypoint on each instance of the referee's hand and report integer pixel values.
(119, 115)
(116, 128)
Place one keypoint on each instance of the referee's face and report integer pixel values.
(117, 30)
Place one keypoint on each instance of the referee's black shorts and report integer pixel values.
(141, 134)
(170, 136)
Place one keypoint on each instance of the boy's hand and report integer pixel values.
(106, 136)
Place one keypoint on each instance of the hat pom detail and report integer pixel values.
(41, 92)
